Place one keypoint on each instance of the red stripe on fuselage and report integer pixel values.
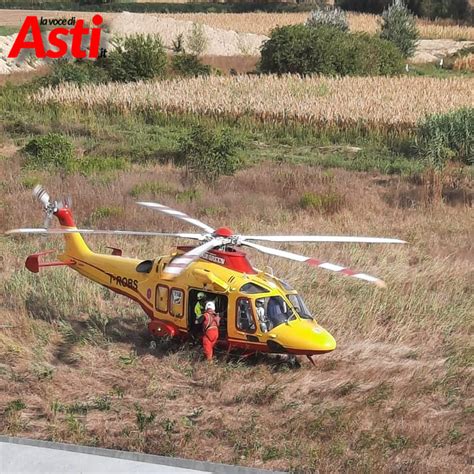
(112, 288)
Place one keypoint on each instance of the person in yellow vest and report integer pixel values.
(199, 308)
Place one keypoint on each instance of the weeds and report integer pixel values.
(379, 394)
(15, 406)
(144, 420)
(346, 388)
(128, 360)
(328, 203)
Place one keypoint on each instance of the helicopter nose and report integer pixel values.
(301, 336)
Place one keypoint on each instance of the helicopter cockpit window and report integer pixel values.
(252, 288)
(300, 306)
(275, 311)
(145, 266)
(245, 321)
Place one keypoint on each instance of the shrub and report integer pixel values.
(79, 72)
(50, 151)
(208, 153)
(197, 41)
(399, 27)
(136, 57)
(186, 64)
(325, 50)
(444, 137)
(326, 16)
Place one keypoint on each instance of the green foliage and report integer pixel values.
(208, 153)
(325, 50)
(326, 16)
(327, 203)
(135, 58)
(8, 30)
(197, 41)
(185, 64)
(50, 151)
(457, 9)
(79, 72)
(105, 212)
(449, 136)
(399, 27)
(15, 405)
(152, 188)
(94, 164)
(142, 419)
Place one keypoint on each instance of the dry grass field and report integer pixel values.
(263, 23)
(260, 23)
(395, 396)
(376, 103)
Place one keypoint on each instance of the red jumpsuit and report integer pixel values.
(211, 332)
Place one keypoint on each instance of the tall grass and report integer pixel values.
(379, 103)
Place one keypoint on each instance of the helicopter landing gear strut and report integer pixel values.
(310, 358)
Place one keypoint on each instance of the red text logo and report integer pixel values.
(57, 38)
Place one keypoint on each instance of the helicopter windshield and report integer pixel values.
(300, 306)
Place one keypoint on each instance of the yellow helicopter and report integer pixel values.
(259, 312)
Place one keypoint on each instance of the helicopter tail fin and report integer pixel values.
(75, 244)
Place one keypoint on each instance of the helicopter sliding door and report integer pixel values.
(221, 302)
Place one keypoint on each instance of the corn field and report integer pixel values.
(263, 23)
(378, 103)
(465, 63)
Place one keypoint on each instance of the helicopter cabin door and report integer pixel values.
(220, 301)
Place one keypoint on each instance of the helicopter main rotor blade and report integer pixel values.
(181, 262)
(180, 215)
(316, 263)
(45, 231)
(321, 238)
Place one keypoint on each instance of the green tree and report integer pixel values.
(399, 27)
(300, 49)
(136, 57)
(327, 16)
(197, 41)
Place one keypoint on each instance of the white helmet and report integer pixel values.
(210, 305)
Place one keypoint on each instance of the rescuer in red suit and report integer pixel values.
(210, 326)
